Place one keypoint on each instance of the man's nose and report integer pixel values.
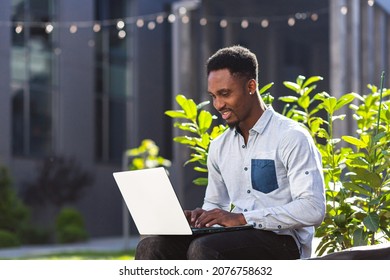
(218, 103)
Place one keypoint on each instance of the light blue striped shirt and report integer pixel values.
(275, 180)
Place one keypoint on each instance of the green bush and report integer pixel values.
(71, 234)
(13, 213)
(356, 167)
(8, 239)
(70, 226)
(33, 235)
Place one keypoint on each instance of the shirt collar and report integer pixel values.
(262, 122)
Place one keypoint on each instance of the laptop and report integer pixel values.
(154, 206)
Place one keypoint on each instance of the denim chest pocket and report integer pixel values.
(263, 175)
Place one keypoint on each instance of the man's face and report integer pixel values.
(230, 96)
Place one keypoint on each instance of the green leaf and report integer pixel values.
(354, 141)
(380, 136)
(359, 237)
(339, 117)
(185, 140)
(356, 188)
(345, 99)
(322, 133)
(372, 222)
(188, 105)
(311, 80)
(176, 114)
(200, 181)
(202, 104)
(304, 101)
(358, 162)
(267, 98)
(186, 127)
(204, 121)
(288, 99)
(293, 86)
(321, 96)
(300, 80)
(330, 104)
(200, 169)
(265, 88)
(340, 220)
(205, 140)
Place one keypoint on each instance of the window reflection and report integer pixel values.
(111, 82)
(32, 81)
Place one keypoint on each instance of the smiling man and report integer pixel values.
(266, 165)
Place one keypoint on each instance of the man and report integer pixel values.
(265, 165)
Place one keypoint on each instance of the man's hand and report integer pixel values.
(193, 215)
(203, 218)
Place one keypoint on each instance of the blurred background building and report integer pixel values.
(86, 80)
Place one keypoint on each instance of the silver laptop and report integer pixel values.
(154, 206)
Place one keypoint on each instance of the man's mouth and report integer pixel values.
(226, 114)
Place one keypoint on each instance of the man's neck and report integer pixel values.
(244, 128)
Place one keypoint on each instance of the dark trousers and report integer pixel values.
(250, 244)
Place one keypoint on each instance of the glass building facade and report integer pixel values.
(33, 75)
(34, 68)
(111, 78)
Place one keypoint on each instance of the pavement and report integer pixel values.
(106, 244)
(103, 244)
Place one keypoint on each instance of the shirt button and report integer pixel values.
(246, 168)
(279, 226)
(260, 225)
(254, 224)
(245, 210)
(243, 146)
(307, 172)
(248, 191)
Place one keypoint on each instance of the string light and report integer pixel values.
(264, 23)
(151, 25)
(73, 28)
(121, 34)
(185, 19)
(171, 18)
(182, 11)
(291, 21)
(244, 24)
(160, 19)
(96, 27)
(344, 10)
(49, 28)
(181, 14)
(223, 23)
(120, 24)
(19, 28)
(140, 22)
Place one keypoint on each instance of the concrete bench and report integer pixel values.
(372, 252)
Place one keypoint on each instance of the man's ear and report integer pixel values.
(252, 85)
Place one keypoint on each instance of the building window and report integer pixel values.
(31, 75)
(111, 82)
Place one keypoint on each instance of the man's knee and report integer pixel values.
(162, 248)
(147, 248)
(201, 249)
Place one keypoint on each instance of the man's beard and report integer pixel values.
(233, 125)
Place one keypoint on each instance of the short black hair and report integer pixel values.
(237, 59)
